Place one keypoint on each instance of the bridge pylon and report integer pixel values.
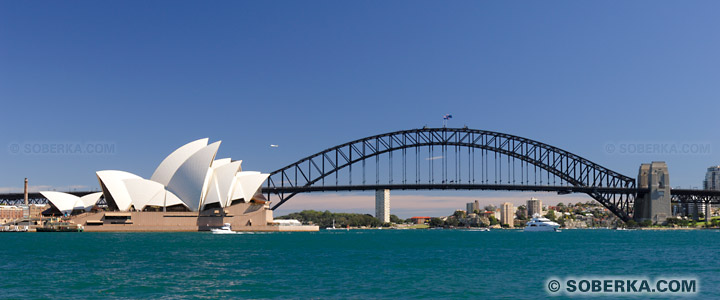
(655, 204)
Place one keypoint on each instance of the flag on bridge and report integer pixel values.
(447, 117)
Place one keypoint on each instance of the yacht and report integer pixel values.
(540, 223)
(225, 229)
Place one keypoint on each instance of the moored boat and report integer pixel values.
(539, 223)
(54, 225)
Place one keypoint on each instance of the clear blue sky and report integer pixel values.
(149, 76)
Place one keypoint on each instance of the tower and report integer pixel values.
(382, 205)
(655, 204)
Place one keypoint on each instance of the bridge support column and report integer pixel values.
(382, 205)
(655, 205)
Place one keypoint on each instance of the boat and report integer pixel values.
(14, 228)
(225, 229)
(54, 225)
(335, 228)
(478, 229)
(540, 223)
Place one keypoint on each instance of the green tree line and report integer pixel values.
(325, 219)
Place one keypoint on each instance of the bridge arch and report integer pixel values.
(575, 173)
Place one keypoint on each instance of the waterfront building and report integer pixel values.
(420, 220)
(190, 190)
(534, 206)
(35, 210)
(9, 213)
(507, 214)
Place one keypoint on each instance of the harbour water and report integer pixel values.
(430, 264)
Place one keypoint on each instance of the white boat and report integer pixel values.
(334, 228)
(540, 223)
(478, 229)
(225, 229)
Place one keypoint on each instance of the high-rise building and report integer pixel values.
(534, 206)
(712, 179)
(507, 214)
(711, 182)
(382, 205)
(471, 207)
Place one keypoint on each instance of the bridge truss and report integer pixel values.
(452, 158)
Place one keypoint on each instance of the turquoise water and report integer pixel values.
(430, 264)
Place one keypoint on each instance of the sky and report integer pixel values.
(618, 82)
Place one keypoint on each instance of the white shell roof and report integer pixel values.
(221, 182)
(171, 199)
(189, 180)
(90, 200)
(66, 203)
(114, 182)
(247, 184)
(145, 192)
(169, 166)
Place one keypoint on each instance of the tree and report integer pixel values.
(436, 222)
(646, 223)
(550, 215)
(715, 222)
(493, 220)
(452, 221)
(631, 223)
(459, 214)
(395, 219)
(325, 219)
(672, 221)
(521, 212)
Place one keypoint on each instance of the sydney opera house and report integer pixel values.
(190, 190)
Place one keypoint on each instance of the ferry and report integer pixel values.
(54, 225)
(539, 223)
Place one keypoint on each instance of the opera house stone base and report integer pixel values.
(241, 216)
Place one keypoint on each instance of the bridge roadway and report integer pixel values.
(678, 195)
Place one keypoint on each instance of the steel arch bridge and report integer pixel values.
(452, 158)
